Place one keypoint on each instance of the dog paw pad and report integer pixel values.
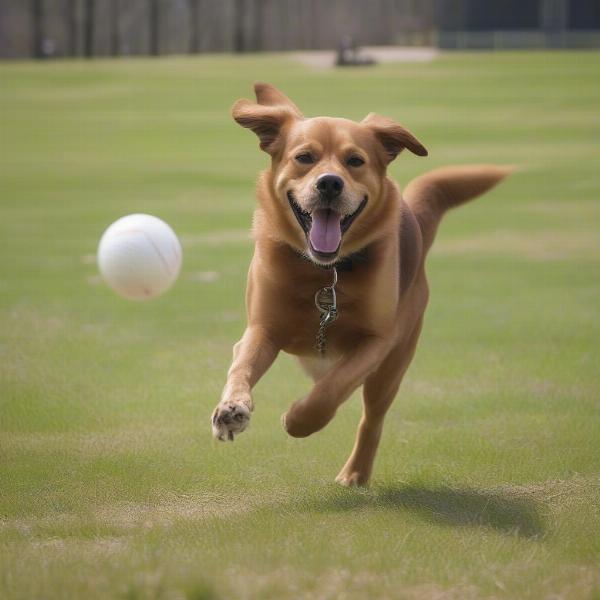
(229, 420)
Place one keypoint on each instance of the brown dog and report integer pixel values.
(326, 206)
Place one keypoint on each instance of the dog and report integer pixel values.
(338, 273)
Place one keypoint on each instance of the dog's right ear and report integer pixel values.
(267, 122)
(269, 95)
(267, 118)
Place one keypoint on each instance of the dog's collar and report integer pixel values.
(348, 263)
(325, 298)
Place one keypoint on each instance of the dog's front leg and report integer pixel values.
(252, 356)
(313, 412)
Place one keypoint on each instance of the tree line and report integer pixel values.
(54, 28)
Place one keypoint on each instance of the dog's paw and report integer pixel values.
(229, 419)
(352, 478)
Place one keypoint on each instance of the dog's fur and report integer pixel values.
(382, 292)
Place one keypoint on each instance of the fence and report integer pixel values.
(524, 39)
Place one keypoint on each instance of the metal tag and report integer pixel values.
(326, 302)
(325, 299)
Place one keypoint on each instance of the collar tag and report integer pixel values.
(326, 303)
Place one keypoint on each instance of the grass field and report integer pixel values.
(487, 484)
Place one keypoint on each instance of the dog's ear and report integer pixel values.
(269, 95)
(393, 137)
(267, 122)
(267, 118)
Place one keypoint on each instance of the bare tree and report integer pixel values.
(154, 16)
(37, 17)
(115, 27)
(89, 28)
(193, 6)
(258, 24)
(72, 26)
(239, 13)
(115, 45)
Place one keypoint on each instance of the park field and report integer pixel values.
(487, 484)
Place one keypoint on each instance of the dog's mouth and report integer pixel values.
(324, 227)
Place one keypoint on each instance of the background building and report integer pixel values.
(518, 23)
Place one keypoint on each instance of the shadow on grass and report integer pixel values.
(497, 509)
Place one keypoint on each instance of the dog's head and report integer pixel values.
(328, 174)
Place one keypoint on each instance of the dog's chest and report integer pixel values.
(300, 324)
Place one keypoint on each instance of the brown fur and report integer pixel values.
(381, 299)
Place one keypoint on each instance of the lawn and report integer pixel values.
(487, 484)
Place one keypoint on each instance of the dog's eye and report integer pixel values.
(355, 161)
(305, 158)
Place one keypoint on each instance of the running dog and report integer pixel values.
(338, 273)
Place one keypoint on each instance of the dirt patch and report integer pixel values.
(325, 59)
(338, 584)
(204, 276)
(182, 507)
(127, 517)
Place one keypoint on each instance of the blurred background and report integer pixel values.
(487, 482)
(68, 28)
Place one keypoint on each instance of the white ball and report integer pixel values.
(139, 256)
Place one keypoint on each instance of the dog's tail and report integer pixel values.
(432, 194)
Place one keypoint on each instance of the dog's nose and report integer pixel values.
(330, 186)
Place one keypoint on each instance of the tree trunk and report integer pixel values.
(115, 45)
(154, 15)
(72, 26)
(88, 29)
(238, 26)
(258, 24)
(37, 17)
(194, 27)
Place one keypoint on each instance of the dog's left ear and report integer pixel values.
(393, 137)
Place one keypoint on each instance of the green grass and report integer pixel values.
(487, 484)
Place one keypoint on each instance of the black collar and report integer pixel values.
(348, 263)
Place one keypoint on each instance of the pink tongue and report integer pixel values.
(325, 233)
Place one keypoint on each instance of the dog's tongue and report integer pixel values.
(325, 232)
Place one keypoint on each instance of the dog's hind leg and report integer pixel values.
(379, 391)
(313, 412)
